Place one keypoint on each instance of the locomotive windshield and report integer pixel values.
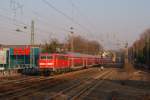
(46, 57)
(43, 57)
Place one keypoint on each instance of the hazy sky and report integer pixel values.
(111, 22)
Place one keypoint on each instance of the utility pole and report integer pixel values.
(32, 33)
(133, 54)
(32, 44)
(72, 44)
(147, 48)
(72, 39)
(126, 53)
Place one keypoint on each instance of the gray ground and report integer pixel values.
(121, 84)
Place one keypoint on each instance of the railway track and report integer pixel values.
(84, 92)
(22, 79)
(26, 88)
(81, 89)
(40, 87)
(48, 83)
(22, 83)
(29, 88)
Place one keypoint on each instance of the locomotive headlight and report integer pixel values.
(42, 63)
(49, 63)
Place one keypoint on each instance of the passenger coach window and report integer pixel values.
(49, 57)
(62, 57)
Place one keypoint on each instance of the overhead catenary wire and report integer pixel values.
(66, 16)
(9, 28)
(21, 24)
(15, 21)
(76, 7)
(39, 18)
(18, 23)
(20, 27)
(86, 19)
(9, 18)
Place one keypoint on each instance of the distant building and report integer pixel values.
(19, 56)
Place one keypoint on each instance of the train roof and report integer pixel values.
(75, 54)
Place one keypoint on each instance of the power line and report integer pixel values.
(65, 15)
(15, 6)
(9, 18)
(18, 23)
(79, 12)
(11, 29)
(41, 20)
(76, 7)
(22, 24)
(53, 7)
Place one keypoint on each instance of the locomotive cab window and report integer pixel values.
(43, 57)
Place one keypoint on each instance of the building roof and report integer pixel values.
(18, 46)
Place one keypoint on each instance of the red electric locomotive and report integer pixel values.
(53, 62)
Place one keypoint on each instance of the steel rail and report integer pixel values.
(80, 85)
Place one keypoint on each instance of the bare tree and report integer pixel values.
(141, 48)
(52, 46)
(83, 45)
